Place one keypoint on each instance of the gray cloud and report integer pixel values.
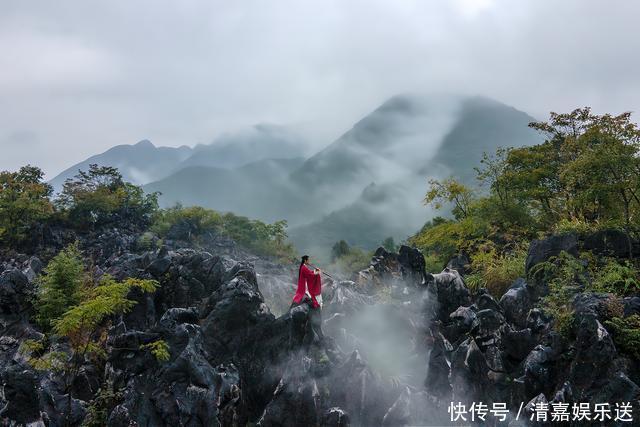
(84, 76)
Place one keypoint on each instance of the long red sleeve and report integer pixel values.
(307, 279)
(302, 286)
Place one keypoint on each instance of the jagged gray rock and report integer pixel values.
(542, 250)
(233, 362)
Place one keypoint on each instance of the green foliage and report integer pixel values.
(100, 407)
(452, 192)
(474, 281)
(31, 346)
(100, 196)
(186, 223)
(80, 322)
(565, 275)
(617, 278)
(339, 249)
(267, 239)
(84, 327)
(159, 348)
(41, 361)
(626, 334)
(108, 298)
(24, 201)
(390, 244)
(354, 260)
(514, 220)
(492, 175)
(60, 286)
(496, 271)
(584, 177)
(588, 169)
(440, 239)
(563, 316)
(564, 269)
(574, 225)
(146, 241)
(558, 305)
(433, 263)
(199, 224)
(604, 176)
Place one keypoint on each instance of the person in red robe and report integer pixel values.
(309, 282)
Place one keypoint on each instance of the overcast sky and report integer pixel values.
(77, 77)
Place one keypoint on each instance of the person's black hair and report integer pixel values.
(304, 258)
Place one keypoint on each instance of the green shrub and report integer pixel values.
(262, 238)
(389, 244)
(351, 262)
(80, 323)
(626, 334)
(60, 286)
(186, 223)
(101, 406)
(564, 269)
(564, 274)
(614, 277)
(146, 242)
(339, 249)
(159, 349)
(98, 303)
(198, 224)
(558, 304)
(451, 192)
(474, 281)
(39, 359)
(579, 226)
(444, 238)
(496, 271)
(506, 218)
(434, 263)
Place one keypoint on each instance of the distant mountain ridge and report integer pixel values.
(143, 163)
(138, 163)
(372, 178)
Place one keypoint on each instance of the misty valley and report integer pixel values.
(478, 267)
(364, 187)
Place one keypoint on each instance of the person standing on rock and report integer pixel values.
(309, 282)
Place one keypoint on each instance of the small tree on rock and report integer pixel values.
(84, 327)
(59, 287)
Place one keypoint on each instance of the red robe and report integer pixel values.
(308, 280)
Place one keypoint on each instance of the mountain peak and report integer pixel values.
(145, 143)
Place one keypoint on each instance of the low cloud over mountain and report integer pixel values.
(377, 170)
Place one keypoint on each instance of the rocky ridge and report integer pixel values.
(392, 347)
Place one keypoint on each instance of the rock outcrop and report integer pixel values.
(393, 348)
